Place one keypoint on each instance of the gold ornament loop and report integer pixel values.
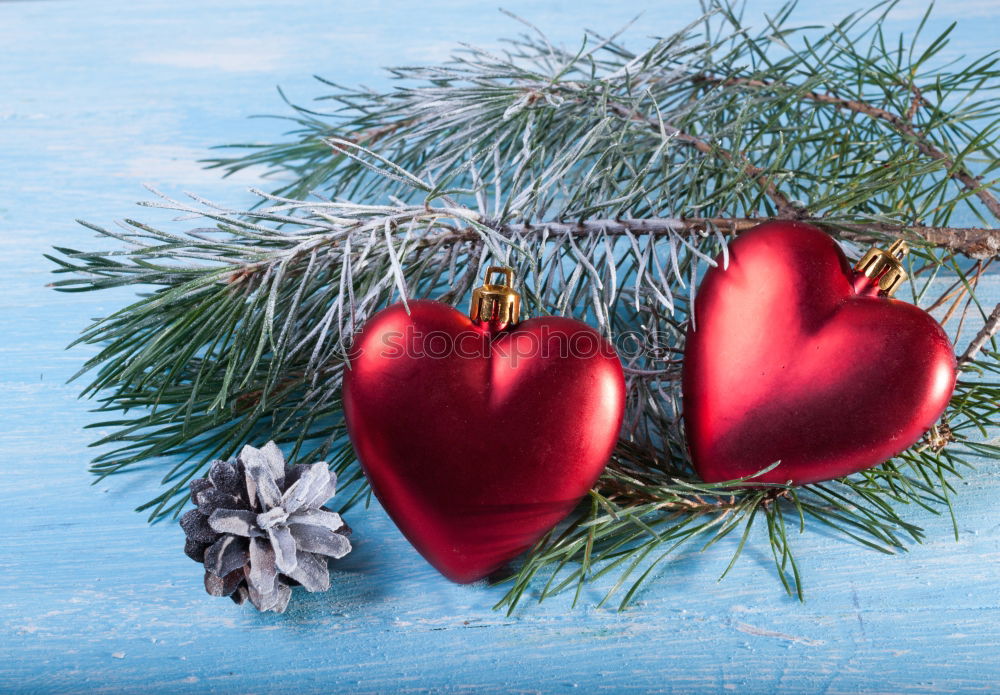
(496, 302)
(885, 266)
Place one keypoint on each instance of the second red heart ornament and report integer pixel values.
(478, 433)
(797, 359)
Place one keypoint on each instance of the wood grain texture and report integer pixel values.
(98, 97)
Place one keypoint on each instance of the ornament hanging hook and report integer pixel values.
(496, 301)
(884, 267)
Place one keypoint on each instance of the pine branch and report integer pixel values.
(968, 241)
(986, 334)
(761, 176)
(610, 180)
(973, 184)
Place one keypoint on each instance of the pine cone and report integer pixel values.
(260, 528)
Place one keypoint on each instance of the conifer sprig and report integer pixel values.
(610, 180)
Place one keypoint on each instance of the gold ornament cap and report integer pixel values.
(885, 266)
(496, 302)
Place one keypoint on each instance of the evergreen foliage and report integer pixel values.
(609, 180)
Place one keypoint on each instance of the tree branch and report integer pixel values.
(969, 241)
(781, 202)
(989, 329)
(956, 171)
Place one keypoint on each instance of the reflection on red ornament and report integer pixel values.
(796, 358)
(478, 434)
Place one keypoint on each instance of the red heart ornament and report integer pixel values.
(795, 358)
(478, 439)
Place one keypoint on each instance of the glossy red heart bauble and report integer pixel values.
(475, 440)
(788, 362)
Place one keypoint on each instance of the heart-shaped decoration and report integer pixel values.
(795, 358)
(476, 440)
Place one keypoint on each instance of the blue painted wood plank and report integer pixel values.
(96, 98)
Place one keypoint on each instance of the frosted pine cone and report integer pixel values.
(260, 528)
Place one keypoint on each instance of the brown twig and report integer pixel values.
(969, 241)
(989, 329)
(972, 242)
(372, 135)
(916, 103)
(781, 202)
(901, 124)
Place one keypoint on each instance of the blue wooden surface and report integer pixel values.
(96, 98)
